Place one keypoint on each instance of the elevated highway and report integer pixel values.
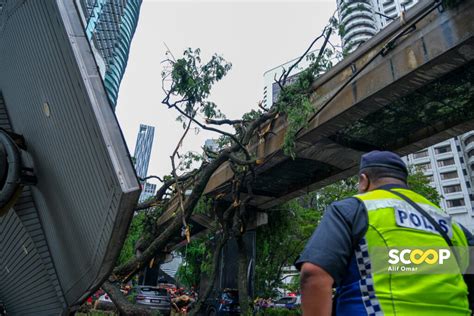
(407, 88)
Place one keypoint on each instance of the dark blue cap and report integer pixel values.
(384, 159)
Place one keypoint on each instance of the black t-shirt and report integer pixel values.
(331, 246)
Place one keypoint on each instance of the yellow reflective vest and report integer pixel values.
(402, 265)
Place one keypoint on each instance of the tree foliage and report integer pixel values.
(279, 242)
(420, 183)
(196, 260)
(134, 234)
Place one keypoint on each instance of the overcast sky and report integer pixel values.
(254, 36)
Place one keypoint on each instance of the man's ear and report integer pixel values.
(364, 183)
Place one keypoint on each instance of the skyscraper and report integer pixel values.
(142, 159)
(143, 149)
(362, 19)
(110, 26)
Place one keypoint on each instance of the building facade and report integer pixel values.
(271, 89)
(143, 147)
(141, 158)
(449, 165)
(362, 19)
(110, 26)
(148, 191)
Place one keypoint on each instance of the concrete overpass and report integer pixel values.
(407, 88)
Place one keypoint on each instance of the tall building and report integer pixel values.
(148, 191)
(212, 145)
(362, 19)
(143, 149)
(450, 164)
(450, 168)
(110, 26)
(142, 159)
(271, 89)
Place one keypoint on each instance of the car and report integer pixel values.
(289, 302)
(104, 303)
(153, 297)
(225, 302)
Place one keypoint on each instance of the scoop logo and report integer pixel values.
(418, 256)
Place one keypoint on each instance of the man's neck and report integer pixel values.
(384, 184)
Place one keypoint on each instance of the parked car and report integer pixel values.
(153, 297)
(221, 303)
(289, 302)
(104, 303)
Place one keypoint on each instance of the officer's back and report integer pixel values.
(387, 250)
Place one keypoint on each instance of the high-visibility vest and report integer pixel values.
(368, 289)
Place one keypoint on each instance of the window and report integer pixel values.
(468, 184)
(430, 178)
(464, 172)
(455, 203)
(424, 166)
(461, 159)
(446, 162)
(443, 149)
(469, 140)
(449, 175)
(420, 154)
(458, 148)
(452, 188)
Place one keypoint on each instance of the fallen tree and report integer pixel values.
(187, 84)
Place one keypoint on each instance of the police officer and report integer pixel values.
(384, 215)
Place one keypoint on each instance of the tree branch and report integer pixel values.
(128, 269)
(285, 74)
(151, 177)
(158, 198)
(212, 129)
(242, 162)
(224, 122)
(179, 189)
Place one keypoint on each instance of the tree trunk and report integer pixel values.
(130, 268)
(242, 280)
(121, 302)
(212, 277)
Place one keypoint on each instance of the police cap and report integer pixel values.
(384, 159)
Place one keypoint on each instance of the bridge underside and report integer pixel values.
(431, 114)
(416, 95)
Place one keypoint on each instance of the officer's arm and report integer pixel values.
(316, 290)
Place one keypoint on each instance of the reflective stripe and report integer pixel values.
(366, 282)
(397, 203)
(398, 293)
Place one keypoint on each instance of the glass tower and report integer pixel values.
(143, 149)
(109, 26)
(142, 159)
